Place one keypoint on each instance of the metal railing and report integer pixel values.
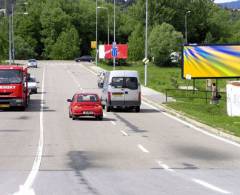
(192, 94)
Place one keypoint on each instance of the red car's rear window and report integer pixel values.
(87, 98)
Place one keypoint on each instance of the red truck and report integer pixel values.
(13, 87)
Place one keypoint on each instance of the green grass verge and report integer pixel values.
(162, 78)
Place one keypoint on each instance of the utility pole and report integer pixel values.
(146, 46)
(96, 60)
(186, 33)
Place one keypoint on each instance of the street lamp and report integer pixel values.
(146, 45)
(108, 19)
(114, 33)
(186, 33)
(96, 60)
(11, 33)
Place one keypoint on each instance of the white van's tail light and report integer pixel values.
(109, 97)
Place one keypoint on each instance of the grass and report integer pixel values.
(189, 103)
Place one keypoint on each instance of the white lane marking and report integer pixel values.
(164, 166)
(142, 148)
(88, 69)
(210, 186)
(124, 133)
(74, 79)
(194, 127)
(26, 187)
(104, 114)
(113, 122)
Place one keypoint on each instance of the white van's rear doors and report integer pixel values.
(131, 90)
(117, 89)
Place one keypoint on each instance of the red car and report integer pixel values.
(85, 104)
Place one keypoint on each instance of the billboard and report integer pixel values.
(122, 51)
(211, 61)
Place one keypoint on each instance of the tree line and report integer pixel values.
(64, 29)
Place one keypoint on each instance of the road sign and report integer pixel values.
(145, 60)
(93, 44)
(114, 44)
(114, 52)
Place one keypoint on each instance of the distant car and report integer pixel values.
(84, 59)
(85, 104)
(32, 63)
(32, 84)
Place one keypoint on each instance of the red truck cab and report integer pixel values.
(13, 87)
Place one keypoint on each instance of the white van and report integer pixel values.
(121, 88)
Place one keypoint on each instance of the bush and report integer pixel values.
(164, 40)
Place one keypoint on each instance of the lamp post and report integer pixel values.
(11, 33)
(96, 60)
(108, 19)
(186, 33)
(146, 45)
(114, 33)
(13, 42)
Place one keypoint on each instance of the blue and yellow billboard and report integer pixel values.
(211, 61)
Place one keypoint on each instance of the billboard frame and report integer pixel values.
(207, 44)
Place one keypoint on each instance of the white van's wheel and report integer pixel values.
(137, 108)
(108, 108)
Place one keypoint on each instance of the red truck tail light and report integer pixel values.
(139, 96)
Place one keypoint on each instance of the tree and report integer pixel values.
(164, 40)
(136, 43)
(23, 50)
(66, 46)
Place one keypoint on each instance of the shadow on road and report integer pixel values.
(34, 106)
(79, 161)
(143, 110)
(131, 126)
(203, 153)
(94, 119)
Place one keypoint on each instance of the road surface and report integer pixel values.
(43, 152)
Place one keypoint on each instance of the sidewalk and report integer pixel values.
(147, 93)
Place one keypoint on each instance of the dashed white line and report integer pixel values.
(26, 188)
(142, 148)
(124, 133)
(210, 186)
(164, 166)
(113, 123)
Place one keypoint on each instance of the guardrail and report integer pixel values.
(192, 94)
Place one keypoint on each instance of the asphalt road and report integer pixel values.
(43, 152)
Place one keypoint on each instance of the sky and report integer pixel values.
(222, 1)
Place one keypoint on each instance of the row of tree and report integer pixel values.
(63, 29)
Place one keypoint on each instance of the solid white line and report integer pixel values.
(25, 189)
(113, 122)
(124, 133)
(142, 148)
(88, 69)
(194, 127)
(164, 166)
(210, 186)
